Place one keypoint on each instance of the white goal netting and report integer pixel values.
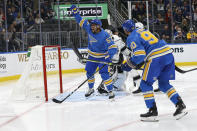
(34, 83)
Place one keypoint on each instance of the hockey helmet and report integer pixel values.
(96, 21)
(128, 25)
(108, 31)
(139, 25)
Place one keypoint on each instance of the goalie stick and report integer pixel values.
(60, 101)
(75, 49)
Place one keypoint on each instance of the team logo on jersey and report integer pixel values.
(92, 39)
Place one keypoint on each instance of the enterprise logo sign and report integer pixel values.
(88, 11)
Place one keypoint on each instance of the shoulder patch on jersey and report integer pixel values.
(92, 39)
(109, 40)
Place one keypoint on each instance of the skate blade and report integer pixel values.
(178, 117)
(138, 94)
(89, 96)
(103, 94)
(149, 119)
(112, 100)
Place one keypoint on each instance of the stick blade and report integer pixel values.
(56, 101)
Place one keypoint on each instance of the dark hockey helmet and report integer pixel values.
(128, 25)
(96, 21)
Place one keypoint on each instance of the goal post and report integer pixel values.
(45, 71)
(42, 76)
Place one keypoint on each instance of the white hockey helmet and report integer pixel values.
(108, 31)
(139, 25)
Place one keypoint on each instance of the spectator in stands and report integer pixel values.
(2, 16)
(179, 35)
(194, 4)
(141, 11)
(186, 13)
(160, 19)
(191, 35)
(160, 5)
(168, 16)
(50, 14)
(177, 3)
(38, 20)
(1, 27)
(43, 14)
(185, 6)
(30, 19)
(19, 21)
(10, 17)
(134, 11)
(152, 20)
(195, 15)
(166, 34)
(13, 45)
(2, 39)
(185, 25)
(153, 7)
(178, 16)
(14, 12)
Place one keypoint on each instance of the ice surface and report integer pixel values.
(98, 113)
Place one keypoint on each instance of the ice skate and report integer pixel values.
(180, 109)
(111, 96)
(89, 93)
(116, 88)
(151, 115)
(101, 90)
(157, 90)
(138, 91)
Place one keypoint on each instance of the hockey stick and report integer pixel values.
(183, 71)
(75, 49)
(60, 101)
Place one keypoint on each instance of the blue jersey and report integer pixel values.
(146, 46)
(99, 44)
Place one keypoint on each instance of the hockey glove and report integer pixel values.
(126, 67)
(108, 59)
(134, 65)
(82, 61)
(115, 58)
(74, 9)
(84, 55)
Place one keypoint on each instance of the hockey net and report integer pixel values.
(42, 75)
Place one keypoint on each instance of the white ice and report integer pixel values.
(98, 113)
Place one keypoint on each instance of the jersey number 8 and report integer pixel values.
(148, 36)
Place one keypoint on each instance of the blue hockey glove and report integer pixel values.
(126, 67)
(74, 9)
(108, 59)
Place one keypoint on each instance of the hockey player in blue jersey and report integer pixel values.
(159, 65)
(100, 48)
